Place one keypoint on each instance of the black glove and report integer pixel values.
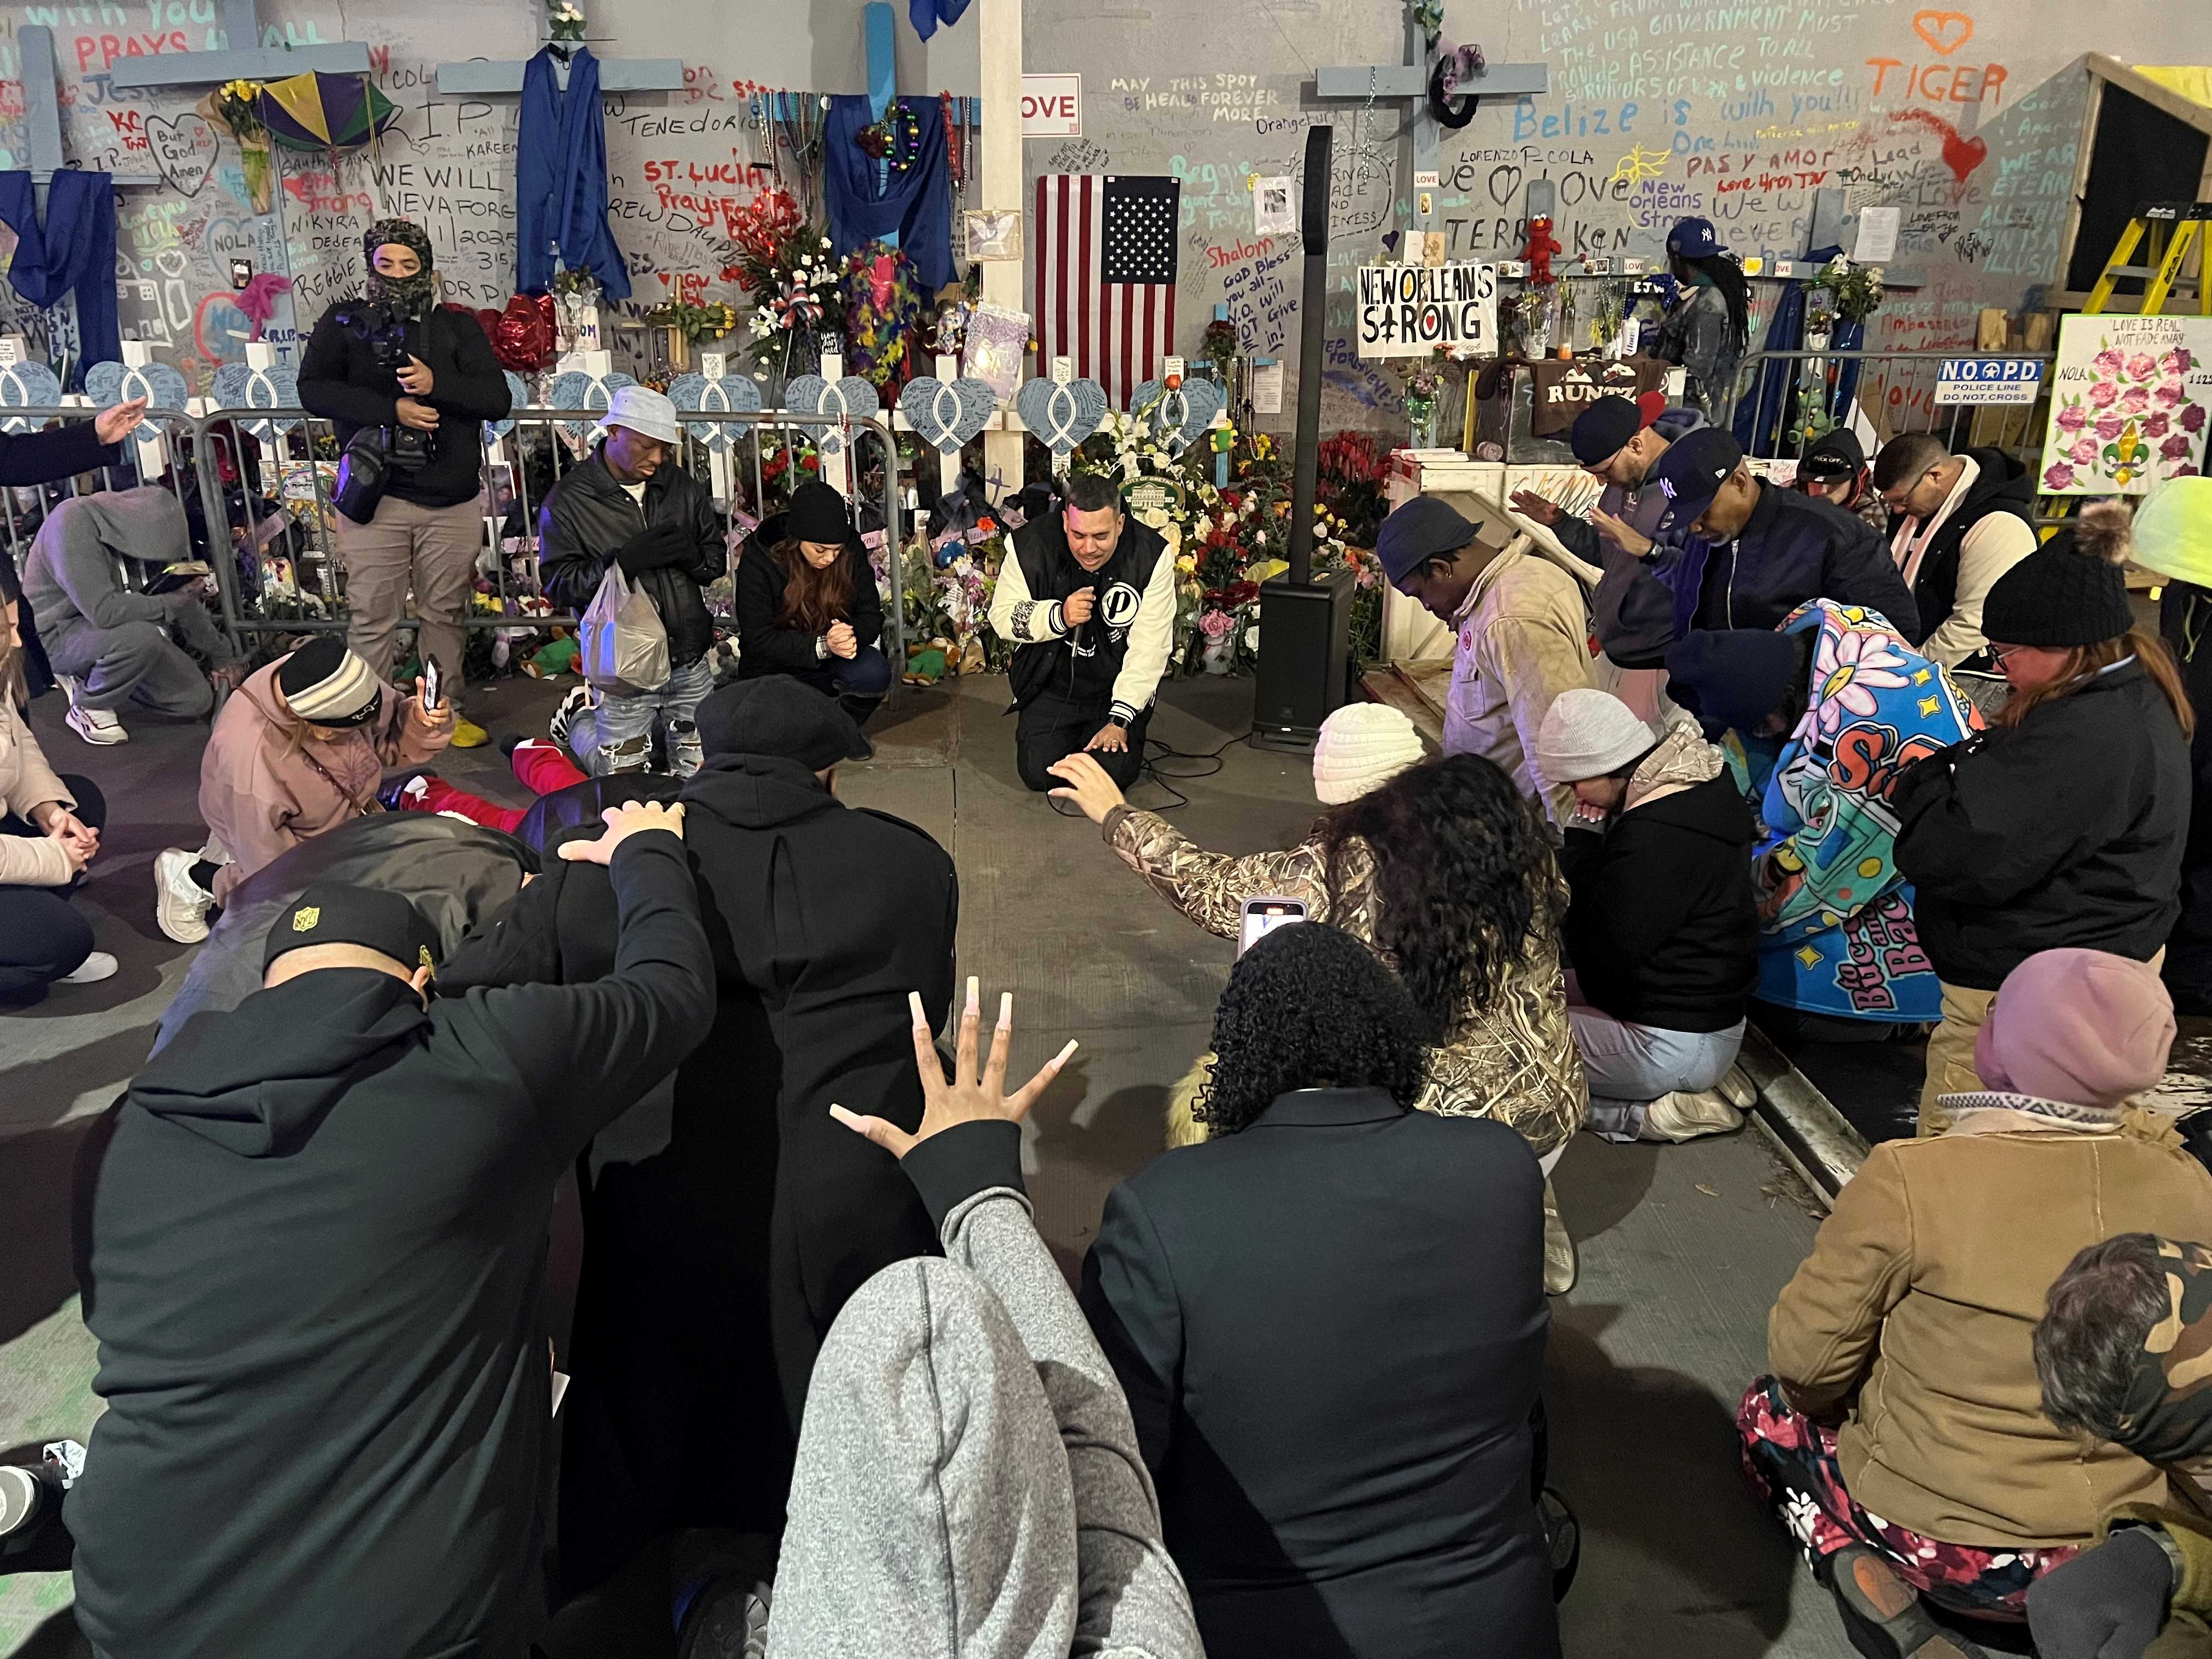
(2105, 1603)
(656, 548)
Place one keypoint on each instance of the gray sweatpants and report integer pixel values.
(138, 663)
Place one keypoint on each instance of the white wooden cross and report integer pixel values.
(1377, 82)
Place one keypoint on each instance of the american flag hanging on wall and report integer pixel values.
(1106, 275)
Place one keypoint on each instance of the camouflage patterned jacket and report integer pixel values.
(1514, 1060)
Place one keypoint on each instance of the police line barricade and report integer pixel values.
(266, 477)
(1994, 400)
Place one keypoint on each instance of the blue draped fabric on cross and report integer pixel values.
(73, 251)
(917, 203)
(561, 179)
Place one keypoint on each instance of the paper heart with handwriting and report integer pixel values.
(733, 394)
(161, 386)
(1060, 416)
(28, 386)
(945, 414)
(852, 398)
(1945, 31)
(1178, 417)
(238, 387)
(518, 396)
(183, 149)
(577, 390)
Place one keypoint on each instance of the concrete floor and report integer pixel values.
(1683, 1248)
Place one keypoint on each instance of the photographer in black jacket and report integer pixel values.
(421, 380)
(633, 504)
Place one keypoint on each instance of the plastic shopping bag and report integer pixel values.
(622, 644)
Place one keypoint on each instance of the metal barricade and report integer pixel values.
(255, 485)
(1896, 390)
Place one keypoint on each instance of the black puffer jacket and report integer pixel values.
(588, 515)
(768, 648)
(2065, 830)
(339, 379)
(1662, 928)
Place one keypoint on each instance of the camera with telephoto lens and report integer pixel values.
(385, 336)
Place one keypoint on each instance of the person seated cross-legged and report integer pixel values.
(1902, 1438)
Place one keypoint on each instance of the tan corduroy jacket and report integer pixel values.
(1921, 1297)
(25, 781)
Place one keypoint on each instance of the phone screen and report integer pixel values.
(1263, 915)
(432, 684)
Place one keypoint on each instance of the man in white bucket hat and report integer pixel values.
(633, 506)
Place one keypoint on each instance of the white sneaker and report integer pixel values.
(93, 969)
(578, 699)
(180, 904)
(1738, 1090)
(96, 726)
(1684, 1117)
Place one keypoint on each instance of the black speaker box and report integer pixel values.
(1306, 658)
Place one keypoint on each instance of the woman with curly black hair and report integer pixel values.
(1259, 1296)
(1446, 873)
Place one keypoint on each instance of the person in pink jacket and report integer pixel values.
(298, 751)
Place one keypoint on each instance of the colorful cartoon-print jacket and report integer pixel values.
(1827, 849)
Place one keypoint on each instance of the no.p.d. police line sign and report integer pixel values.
(1989, 380)
(1408, 310)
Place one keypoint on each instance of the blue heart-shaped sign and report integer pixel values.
(28, 386)
(160, 383)
(518, 396)
(577, 390)
(852, 399)
(733, 394)
(1178, 417)
(1060, 416)
(237, 386)
(946, 417)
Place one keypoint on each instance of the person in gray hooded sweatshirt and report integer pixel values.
(108, 645)
(969, 1485)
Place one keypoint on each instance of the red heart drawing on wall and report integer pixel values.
(1945, 31)
(1963, 156)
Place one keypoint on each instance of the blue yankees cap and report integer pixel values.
(1690, 473)
(1693, 239)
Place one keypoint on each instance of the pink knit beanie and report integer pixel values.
(2084, 1027)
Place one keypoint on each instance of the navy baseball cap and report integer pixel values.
(1422, 528)
(1603, 430)
(1693, 239)
(334, 912)
(1690, 473)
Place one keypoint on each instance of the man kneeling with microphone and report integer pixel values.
(1088, 602)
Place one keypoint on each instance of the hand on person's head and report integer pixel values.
(624, 821)
(973, 1094)
(420, 416)
(1530, 505)
(112, 425)
(1075, 609)
(1089, 787)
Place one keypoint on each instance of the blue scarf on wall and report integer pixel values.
(561, 179)
(916, 204)
(73, 251)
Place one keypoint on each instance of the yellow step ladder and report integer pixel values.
(2172, 229)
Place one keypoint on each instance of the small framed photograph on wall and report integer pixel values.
(992, 232)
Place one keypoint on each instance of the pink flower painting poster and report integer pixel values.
(2129, 402)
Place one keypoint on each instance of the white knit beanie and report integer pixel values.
(1587, 733)
(1362, 747)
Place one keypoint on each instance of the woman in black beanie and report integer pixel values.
(2063, 826)
(807, 605)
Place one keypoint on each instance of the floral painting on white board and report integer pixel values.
(2130, 399)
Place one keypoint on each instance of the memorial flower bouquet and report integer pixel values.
(235, 107)
(1857, 289)
(792, 273)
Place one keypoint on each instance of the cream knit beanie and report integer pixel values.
(1362, 747)
(1587, 733)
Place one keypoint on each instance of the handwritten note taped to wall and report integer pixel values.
(1406, 311)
